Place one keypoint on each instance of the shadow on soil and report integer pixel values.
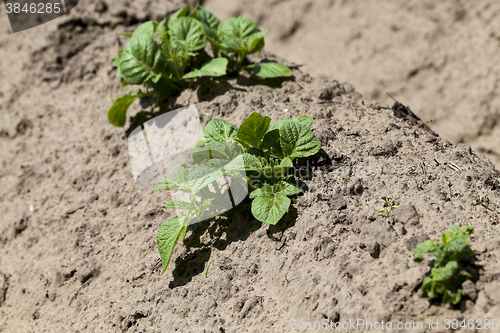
(237, 225)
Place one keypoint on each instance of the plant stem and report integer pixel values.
(241, 58)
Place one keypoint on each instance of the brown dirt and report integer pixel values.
(84, 258)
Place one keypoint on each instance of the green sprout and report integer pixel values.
(389, 205)
(206, 272)
(447, 274)
(480, 197)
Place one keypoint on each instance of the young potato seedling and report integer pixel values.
(166, 57)
(256, 157)
(389, 205)
(480, 197)
(447, 274)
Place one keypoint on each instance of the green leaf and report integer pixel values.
(255, 42)
(443, 274)
(208, 172)
(186, 33)
(183, 232)
(236, 33)
(162, 30)
(116, 62)
(456, 297)
(147, 28)
(297, 140)
(253, 129)
(269, 205)
(178, 204)
(180, 13)
(447, 273)
(117, 115)
(211, 170)
(425, 247)
(288, 188)
(215, 67)
(219, 130)
(270, 70)
(304, 120)
(207, 19)
(214, 149)
(454, 245)
(194, 14)
(141, 60)
(210, 25)
(271, 143)
(177, 180)
(167, 237)
(286, 163)
(246, 162)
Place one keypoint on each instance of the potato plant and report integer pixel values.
(447, 274)
(165, 57)
(256, 157)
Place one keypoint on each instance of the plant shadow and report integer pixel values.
(236, 225)
(189, 266)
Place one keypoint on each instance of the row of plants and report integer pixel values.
(168, 56)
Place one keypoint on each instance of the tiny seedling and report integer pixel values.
(206, 272)
(447, 274)
(388, 201)
(424, 170)
(355, 109)
(389, 205)
(286, 275)
(166, 57)
(346, 179)
(255, 156)
(419, 186)
(480, 197)
(442, 146)
(382, 169)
